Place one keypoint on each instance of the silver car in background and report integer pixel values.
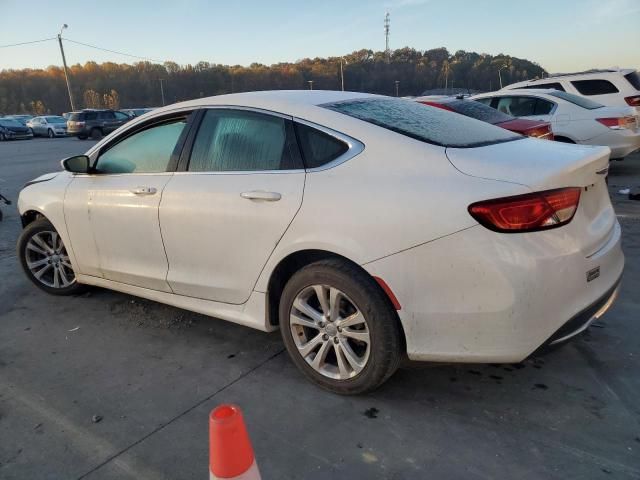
(48, 126)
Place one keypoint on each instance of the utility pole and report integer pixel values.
(397, 84)
(310, 82)
(500, 74)
(387, 24)
(162, 90)
(342, 73)
(64, 63)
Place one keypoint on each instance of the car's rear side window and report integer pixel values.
(430, 125)
(594, 87)
(318, 148)
(634, 79)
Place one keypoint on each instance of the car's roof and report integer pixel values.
(555, 77)
(290, 101)
(517, 91)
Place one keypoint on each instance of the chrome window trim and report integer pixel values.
(355, 147)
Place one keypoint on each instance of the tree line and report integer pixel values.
(114, 85)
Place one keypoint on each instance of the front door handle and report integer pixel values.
(144, 190)
(260, 195)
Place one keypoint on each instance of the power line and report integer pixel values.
(27, 43)
(113, 51)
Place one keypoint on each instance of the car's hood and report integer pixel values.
(539, 164)
(43, 178)
(16, 129)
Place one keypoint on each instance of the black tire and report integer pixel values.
(43, 226)
(50, 134)
(96, 134)
(82, 137)
(386, 340)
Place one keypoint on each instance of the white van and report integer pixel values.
(613, 87)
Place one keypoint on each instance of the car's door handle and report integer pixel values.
(260, 195)
(144, 190)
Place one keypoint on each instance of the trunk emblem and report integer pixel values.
(593, 274)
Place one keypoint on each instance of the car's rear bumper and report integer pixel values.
(621, 142)
(478, 296)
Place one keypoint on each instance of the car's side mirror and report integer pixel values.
(77, 164)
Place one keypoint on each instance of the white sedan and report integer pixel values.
(365, 227)
(574, 119)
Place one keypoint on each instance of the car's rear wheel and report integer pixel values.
(339, 328)
(96, 134)
(44, 258)
(51, 134)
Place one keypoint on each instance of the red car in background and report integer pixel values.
(479, 111)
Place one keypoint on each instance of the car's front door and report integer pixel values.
(222, 217)
(112, 214)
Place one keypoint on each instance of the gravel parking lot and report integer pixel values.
(105, 385)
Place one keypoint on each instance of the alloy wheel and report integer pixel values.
(330, 332)
(47, 259)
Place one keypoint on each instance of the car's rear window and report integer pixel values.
(76, 116)
(634, 79)
(577, 100)
(424, 123)
(478, 110)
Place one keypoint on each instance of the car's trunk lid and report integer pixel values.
(544, 165)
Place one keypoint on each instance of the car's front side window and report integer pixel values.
(147, 151)
(239, 140)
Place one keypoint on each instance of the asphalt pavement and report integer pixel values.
(109, 386)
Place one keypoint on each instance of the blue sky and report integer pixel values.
(561, 35)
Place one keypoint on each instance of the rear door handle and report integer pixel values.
(260, 195)
(144, 190)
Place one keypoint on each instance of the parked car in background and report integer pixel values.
(95, 123)
(48, 126)
(613, 87)
(479, 111)
(22, 119)
(11, 129)
(574, 119)
(136, 112)
(366, 228)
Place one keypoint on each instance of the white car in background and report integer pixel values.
(574, 119)
(365, 227)
(612, 87)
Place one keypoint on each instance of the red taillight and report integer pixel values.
(542, 131)
(633, 101)
(618, 123)
(529, 212)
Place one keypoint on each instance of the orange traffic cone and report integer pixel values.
(230, 451)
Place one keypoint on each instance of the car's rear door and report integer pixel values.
(112, 214)
(224, 213)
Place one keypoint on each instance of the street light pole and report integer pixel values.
(162, 90)
(310, 82)
(500, 74)
(341, 73)
(64, 63)
(397, 84)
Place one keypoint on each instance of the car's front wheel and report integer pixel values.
(45, 260)
(339, 328)
(51, 134)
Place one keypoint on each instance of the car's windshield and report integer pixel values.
(424, 123)
(9, 122)
(477, 110)
(56, 119)
(576, 100)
